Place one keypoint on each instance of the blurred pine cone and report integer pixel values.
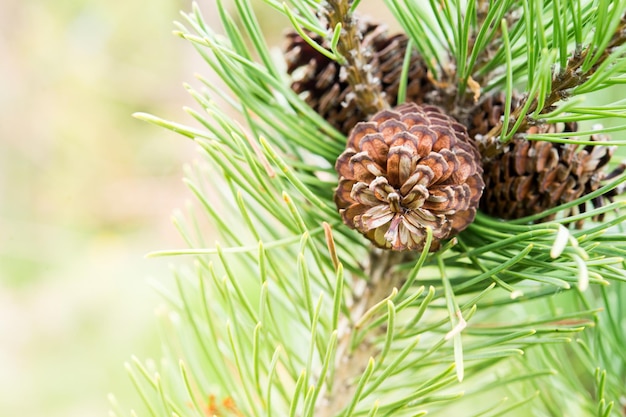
(405, 170)
(523, 177)
(321, 82)
(488, 113)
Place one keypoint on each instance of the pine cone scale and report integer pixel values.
(363, 194)
(427, 139)
(375, 217)
(465, 167)
(475, 182)
(415, 198)
(365, 168)
(400, 163)
(375, 146)
(423, 175)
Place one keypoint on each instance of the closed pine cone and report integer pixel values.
(530, 177)
(321, 83)
(405, 170)
(523, 177)
(489, 113)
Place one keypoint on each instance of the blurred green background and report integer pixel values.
(85, 192)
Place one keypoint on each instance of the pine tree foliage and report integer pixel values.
(291, 313)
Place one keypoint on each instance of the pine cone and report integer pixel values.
(530, 177)
(523, 177)
(405, 170)
(322, 85)
(488, 113)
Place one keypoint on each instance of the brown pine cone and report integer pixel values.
(484, 117)
(321, 83)
(405, 170)
(488, 113)
(529, 177)
(523, 177)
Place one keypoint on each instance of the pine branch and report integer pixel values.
(355, 61)
(564, 83)
(350, 362)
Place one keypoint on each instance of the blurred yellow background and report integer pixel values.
(85, 192)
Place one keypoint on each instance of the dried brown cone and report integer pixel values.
(525, 178)
(484, 117)
(529, 177)
(406, 170)
(322, 84)
(488, 113)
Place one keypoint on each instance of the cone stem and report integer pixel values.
(351, 362)
(357, 60)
